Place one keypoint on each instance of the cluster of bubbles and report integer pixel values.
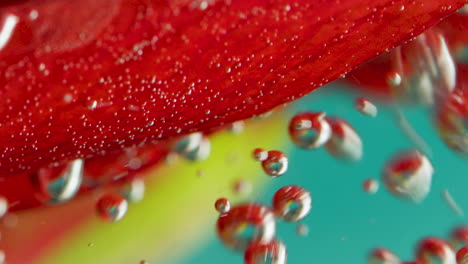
(251, 227)
(57, 185)
(430, 250)
(425, 72)
(312, 130)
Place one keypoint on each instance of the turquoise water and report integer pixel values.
(345, 222)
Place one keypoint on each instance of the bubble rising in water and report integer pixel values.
(134, 191)
(112, 207)
(233, 226)
(408, 175)
(452, 121)
(345, 143)
(382, 256)
(462, 255)
(434, 250)
(292, 203)
(309, 130)
(271, 253)
(58, 184)
(276, 163)
(222, 205)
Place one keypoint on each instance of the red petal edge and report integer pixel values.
(80, 78)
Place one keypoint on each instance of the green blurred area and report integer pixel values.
(345, 222)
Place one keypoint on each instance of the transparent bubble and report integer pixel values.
(276, 163)
(370, 186)
(426, 67)
(260, 154)
(345, 142)
(134, 191)
(242, 187)
(271, 253)
(58, 184)
(452, 121)
(302, 230)
(382, 256)
(222, 205)
(434, 250)
(292, 203)
(202, 152)
(462, 255)
(112, 207)
(309, 130)
(237, 127)
(459, 237)
(245, 224)
(188, 143)
(365, 107)
(408, 175)
(3, 206)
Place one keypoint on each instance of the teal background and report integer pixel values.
(345, 222)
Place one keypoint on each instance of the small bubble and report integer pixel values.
(246, 224)
(237, 127)
(452, 121)
(271, 253)
(3, 206)
(345, 142)
(370, 186)
(33, 15)
(134, 191)
(302, 230)
(462, 255)
(242, 187)
(365, 107)
(58, 184)
(222, 205)
(435, 250)
(276, 163)
(202, 152)
(394, 79)
(259, 154)
(292, 203)
(112, 207)
(408, 175)
(382, 256)
(309, 130)
(459, 237)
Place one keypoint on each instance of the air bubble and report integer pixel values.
(222, 205)
(309, 130)
(408, 175)
(260, 154)
(112, 207)
(452, 121)
(245, 224)
(292, 203)
(370, 186)
(271, 253)
(382, 256)
(58, 184)
(276, 163)
(3, 206)
(462, 255)
(345, 142)
(365, 107)
(434, 250)
(134, 191)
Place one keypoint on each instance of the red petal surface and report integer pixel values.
(80, 78)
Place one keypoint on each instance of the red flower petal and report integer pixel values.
(80, 78)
